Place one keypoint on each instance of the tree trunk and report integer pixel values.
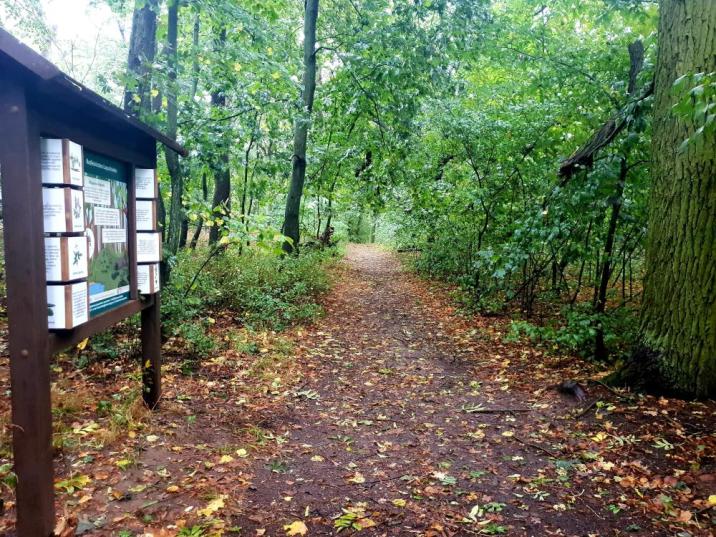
(142, 49)
(678, 323)
(291, 225)
(176, 210)
(222, 176)
(600, 349)
(200, 224)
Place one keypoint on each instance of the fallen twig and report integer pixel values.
(535, 446)
(496, 410)
(583, 412)
(612, 390)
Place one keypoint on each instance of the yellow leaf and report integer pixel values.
(357, 478)
(82, 345)
(172, 488)
(241, 452)
(601, 436)
(317, 458)
(213, 506)
(712, 500)
(154, 92)
(136, 98)
(296, 528)
(508, 434)
(366, 523)
(226, 459)
(399, 502)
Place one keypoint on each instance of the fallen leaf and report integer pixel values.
(213, 506)
(357, 478)
(296, 528)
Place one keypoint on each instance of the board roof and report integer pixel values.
(48, 81)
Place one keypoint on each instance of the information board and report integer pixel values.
(106, 191)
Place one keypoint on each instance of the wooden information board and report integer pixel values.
(73, 167)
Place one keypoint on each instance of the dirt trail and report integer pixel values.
(392, 426)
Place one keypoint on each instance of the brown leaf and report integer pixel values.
(66, 526)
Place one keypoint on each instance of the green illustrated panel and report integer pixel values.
(106, 191)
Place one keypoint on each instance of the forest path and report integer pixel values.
(392, 413)
(387, 426)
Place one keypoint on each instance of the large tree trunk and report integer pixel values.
(176, 210)
(679, 310)
(142, 49)
(291, 224)
(220, 165)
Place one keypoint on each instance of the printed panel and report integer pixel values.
(106, 208)
(65, 258)
(145, 183)
(149, 247)
(67, 305)
(148, 278)
(61, 162)
(63, 210)
(146, 215)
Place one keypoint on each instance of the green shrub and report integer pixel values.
(575, 330)
(261, 289)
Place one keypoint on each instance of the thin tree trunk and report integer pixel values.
(247, 160)
(221, 204)
(176, 209)
(374, 224)
(291, 224)
(200, 224)
(142, 50)
(600, 349)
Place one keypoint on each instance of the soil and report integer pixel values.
(392, 415)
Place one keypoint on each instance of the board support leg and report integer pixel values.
(29, 345)
(151, 353)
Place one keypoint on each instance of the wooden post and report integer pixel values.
(27, 313)
(151, 353)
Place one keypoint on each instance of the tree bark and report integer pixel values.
(678, 323)
(222, 176)
(142, 49)
(291, 224)
(176, 209)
